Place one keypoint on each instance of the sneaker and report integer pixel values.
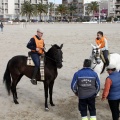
(84, 118)
(93, 118)
(33, 81)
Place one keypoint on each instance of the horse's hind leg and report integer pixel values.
(13, 89)
(51, 92)
(15, 80)
(16, 85)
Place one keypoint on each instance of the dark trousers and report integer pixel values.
(36, 59)
(114, 106)
(105, 54)
(87, 103)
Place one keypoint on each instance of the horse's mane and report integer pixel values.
(56, 46)
(52, 49)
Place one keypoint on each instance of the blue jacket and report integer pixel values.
(85, 83)
(114, 92)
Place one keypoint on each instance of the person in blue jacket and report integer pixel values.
(86, 85)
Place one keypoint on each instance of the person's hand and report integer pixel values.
(43, 49)
(103, 99)
(37, 49)
(76, 94)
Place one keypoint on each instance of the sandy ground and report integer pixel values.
(77, 39)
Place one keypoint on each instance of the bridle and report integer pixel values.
(53, 59)
(96, 63)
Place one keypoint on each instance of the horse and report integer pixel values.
(17, 67)
(97, 63)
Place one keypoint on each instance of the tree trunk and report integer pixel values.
(29, 17)
(40, 17)
(61, 16)
(72, 16)
(93, 16)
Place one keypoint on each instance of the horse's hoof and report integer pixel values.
(52, 104)
(46, 109)
(16, 102)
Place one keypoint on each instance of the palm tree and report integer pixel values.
(27, 9)
(92, 7)
(62, 9)
(41, 8)
(72, 9)
(51, 8)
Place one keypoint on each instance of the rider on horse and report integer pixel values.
(102, 41)
(36, 45)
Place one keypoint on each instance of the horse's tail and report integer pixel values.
(103, 68)
(7, 79)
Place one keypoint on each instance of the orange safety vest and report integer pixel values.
(101, 42)
(39, 44)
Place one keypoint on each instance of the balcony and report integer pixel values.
(17, 8)
(4, 1)
(117, 3)
(117, 14)
(16, 3)
(117, 9)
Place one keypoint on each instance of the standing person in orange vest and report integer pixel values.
(36, 45)
(102, 41)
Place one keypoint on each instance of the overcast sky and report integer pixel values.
(56, 1)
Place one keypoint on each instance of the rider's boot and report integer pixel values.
(33, 80)
(107, 62)
(85, 118)
(93, 118)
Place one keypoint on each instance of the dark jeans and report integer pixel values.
(105, 54)
(88, 102)
(36, 59)
(114, 106)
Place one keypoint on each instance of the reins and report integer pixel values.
(51, 58)
(94, 66)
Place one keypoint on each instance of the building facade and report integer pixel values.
(108, 8)
(117, 8)
(77, 3)
(11, 8)
(111, 8)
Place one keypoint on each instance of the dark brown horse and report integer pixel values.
(17, 67)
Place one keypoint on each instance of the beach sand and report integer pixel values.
(76, 39)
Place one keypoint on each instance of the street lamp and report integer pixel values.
(99, 12)
(48, 10)
(114, 11)
(54, 10)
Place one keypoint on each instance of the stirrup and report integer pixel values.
(33, 81)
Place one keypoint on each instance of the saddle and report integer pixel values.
(102, 56)
(31, 63)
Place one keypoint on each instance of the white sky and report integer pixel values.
(60, 1)
(56, 1)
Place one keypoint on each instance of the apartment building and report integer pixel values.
(107, 7)
(77, 3)
(117, 8)
(111, 8)
(11, 8)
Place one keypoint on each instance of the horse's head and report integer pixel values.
(57, 54)
(96, 53)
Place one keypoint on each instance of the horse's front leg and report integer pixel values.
(51, 92)
(46, 95)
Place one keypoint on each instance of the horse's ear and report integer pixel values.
(61, 46)
(99, 46)
(92, 45)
